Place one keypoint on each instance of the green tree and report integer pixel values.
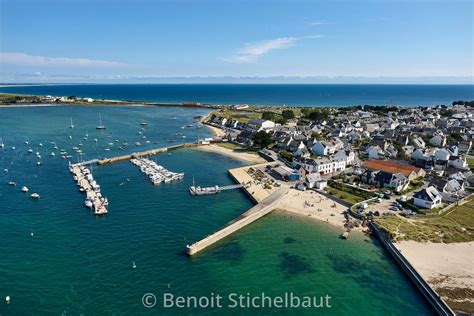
(262, 139)
(286, 155)
(288, 114)
(269, 115)
(317, 136)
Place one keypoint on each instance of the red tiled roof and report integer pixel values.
(390, 167)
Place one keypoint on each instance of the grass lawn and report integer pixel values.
(231, 146)
(470, 162)
(348, 197)
(241, 116)
(237, 147)
(456, 225)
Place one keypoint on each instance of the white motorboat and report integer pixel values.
(30, 150)
(35, 195)
(53, 154)
(11, 183)
(24, 189)
(72, 125)
(88, 203)
(38, 163)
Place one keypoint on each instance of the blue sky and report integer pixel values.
(105, 40)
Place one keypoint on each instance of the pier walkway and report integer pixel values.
(86, 163)
(230, 187)
(263, 208)
(144, 153)
(97, 200)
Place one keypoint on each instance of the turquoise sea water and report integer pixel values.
(265, 94)
(75, 263)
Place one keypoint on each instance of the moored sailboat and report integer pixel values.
(100, 126)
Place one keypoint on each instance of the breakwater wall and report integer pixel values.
(433, 298)
(249, 194)
(144, 153)
(263, 208)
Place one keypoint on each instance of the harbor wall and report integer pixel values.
(263, 208)
(433, 298)
(254, 200)
(144, 153)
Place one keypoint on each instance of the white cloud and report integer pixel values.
(23, 59)
(251, 52)
(315, 23)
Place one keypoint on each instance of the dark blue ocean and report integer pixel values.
(264, 94)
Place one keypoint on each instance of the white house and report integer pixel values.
(261, 124)
(458, 163)
(302, 151)
(427, 198)
(349, 156)
(438, 141)
(419, 154)
(442, 154)
(375, 152)
(450, 189)
(322, 166)
(312, 179)
(324, 148)
(399, 182)
(220, 121)
(419, 143)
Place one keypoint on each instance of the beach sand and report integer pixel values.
(448, 268)
(243, 156)
(318, 207)
(218, 132)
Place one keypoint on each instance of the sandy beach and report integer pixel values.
(244, 156)
(216, 131)
(308, 203)
(448, 268)
(317, 206)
